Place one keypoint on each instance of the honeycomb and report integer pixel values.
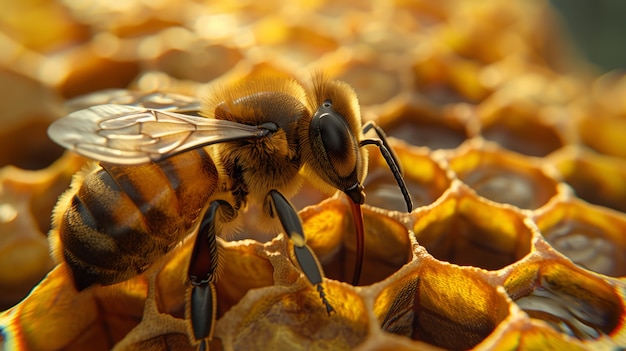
(512, 147)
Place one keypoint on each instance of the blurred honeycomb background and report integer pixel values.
(512, 144)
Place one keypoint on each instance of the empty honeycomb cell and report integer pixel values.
(544, 89)
(296, 44)
(590, 236)
(242, 260)
(425, 179)
(604, 134)
(571, 300)
(331, 234)
(444, 78)
(464, 75)
(441, 304)
(95, 319)
(466, 230)
(42, 26)
(606, 91)
(602, 122)
(295, 319)
(595, 178)
(471, 37)
(387, 247)
(517, 127)
(27, 145)
(419, 123)
(390, 47)
(198, 63)
(364, 75)
(90, 72)
(28, 108)
(324, 225)
(504, 177)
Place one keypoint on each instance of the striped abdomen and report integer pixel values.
(123, 218)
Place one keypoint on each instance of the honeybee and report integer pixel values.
(169, 165)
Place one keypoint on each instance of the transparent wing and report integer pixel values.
(125, 135)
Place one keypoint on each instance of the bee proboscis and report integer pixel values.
(167, 163)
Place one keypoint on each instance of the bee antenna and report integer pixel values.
(390, 158)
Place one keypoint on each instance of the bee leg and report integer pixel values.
(293, 227)
(390, 158)
(202, 309)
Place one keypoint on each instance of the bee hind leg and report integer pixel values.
(202, 303)
(280, 206)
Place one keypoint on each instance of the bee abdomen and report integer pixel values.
(123, 218)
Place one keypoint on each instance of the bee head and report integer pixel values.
(330, 141)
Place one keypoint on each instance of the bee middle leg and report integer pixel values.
(288, 216)
(202, 305)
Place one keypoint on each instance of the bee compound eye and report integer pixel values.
(337, 141)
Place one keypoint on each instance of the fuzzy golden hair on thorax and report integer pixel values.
(228, 98)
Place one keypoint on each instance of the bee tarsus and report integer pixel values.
(329, 308)
(202, 266)
(288, 216)
(203, 262)
(203, 313)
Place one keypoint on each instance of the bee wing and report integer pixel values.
(126, 135)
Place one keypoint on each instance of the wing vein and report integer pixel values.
(124, 134)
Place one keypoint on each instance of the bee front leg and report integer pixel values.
(202, 305)
(293, 227)
(390, 157)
